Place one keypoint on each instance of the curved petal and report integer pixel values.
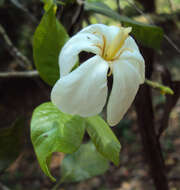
(84, 90)
(99, 30)
(69, 54)
(133, 56)
(126, 82)
(88, 39)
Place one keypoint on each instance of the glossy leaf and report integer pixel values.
(54, 131)
(83, 164)
(11, 143)
(103, 138)
(139, 30)
(49, 38)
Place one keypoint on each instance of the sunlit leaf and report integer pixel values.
(49, 38)
(54, 131)
(139, 30)
(83, 164)
(11, 143)
(103, 138)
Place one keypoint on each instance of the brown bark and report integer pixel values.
(72, 17)
(151, 145)
(145, 114)
(171, 100)
(149, 6)
(146, 124)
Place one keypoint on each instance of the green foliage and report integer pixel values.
(49, 38)
(11, 143)
(104, 139)
(139, 30)
(54, 131)
(83, 164)
(48, 4)
(1, 2)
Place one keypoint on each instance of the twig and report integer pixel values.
(164, 89)
(171, 101)
(23, 60)
(76, 15)
(76, 22)
(172, 43)
(19, 74)
(2, 187)
(152, 22)
(25, 10)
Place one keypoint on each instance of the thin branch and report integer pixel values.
(3, 187)
(19, 74)
(172, 43)
(152, 22)
(23, 60)
(171, 101)
(76, 15)
(25, 10)
(163, 89)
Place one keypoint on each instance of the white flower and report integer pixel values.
(84, 90)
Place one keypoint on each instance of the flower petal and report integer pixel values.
(126, 82)
(88, 39)
(84, 90)
(69, 54)
(99, 30)
(133, 56)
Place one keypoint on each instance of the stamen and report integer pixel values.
(118, 42)
(99, 46)
(104, 45)
(120, 53)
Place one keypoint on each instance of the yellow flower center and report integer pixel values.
(109, 51)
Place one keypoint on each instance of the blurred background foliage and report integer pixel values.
(21, 90)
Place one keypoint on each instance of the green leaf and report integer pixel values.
(104, 139)
(54, 131)
(48, 40)
(48, 4)
(83, 164)
(11, 143)
(139, 30)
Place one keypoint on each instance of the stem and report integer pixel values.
(19, 74)
(162, 88)
(57, 185)
(22, 59)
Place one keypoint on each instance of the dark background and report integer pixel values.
(149, 133)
